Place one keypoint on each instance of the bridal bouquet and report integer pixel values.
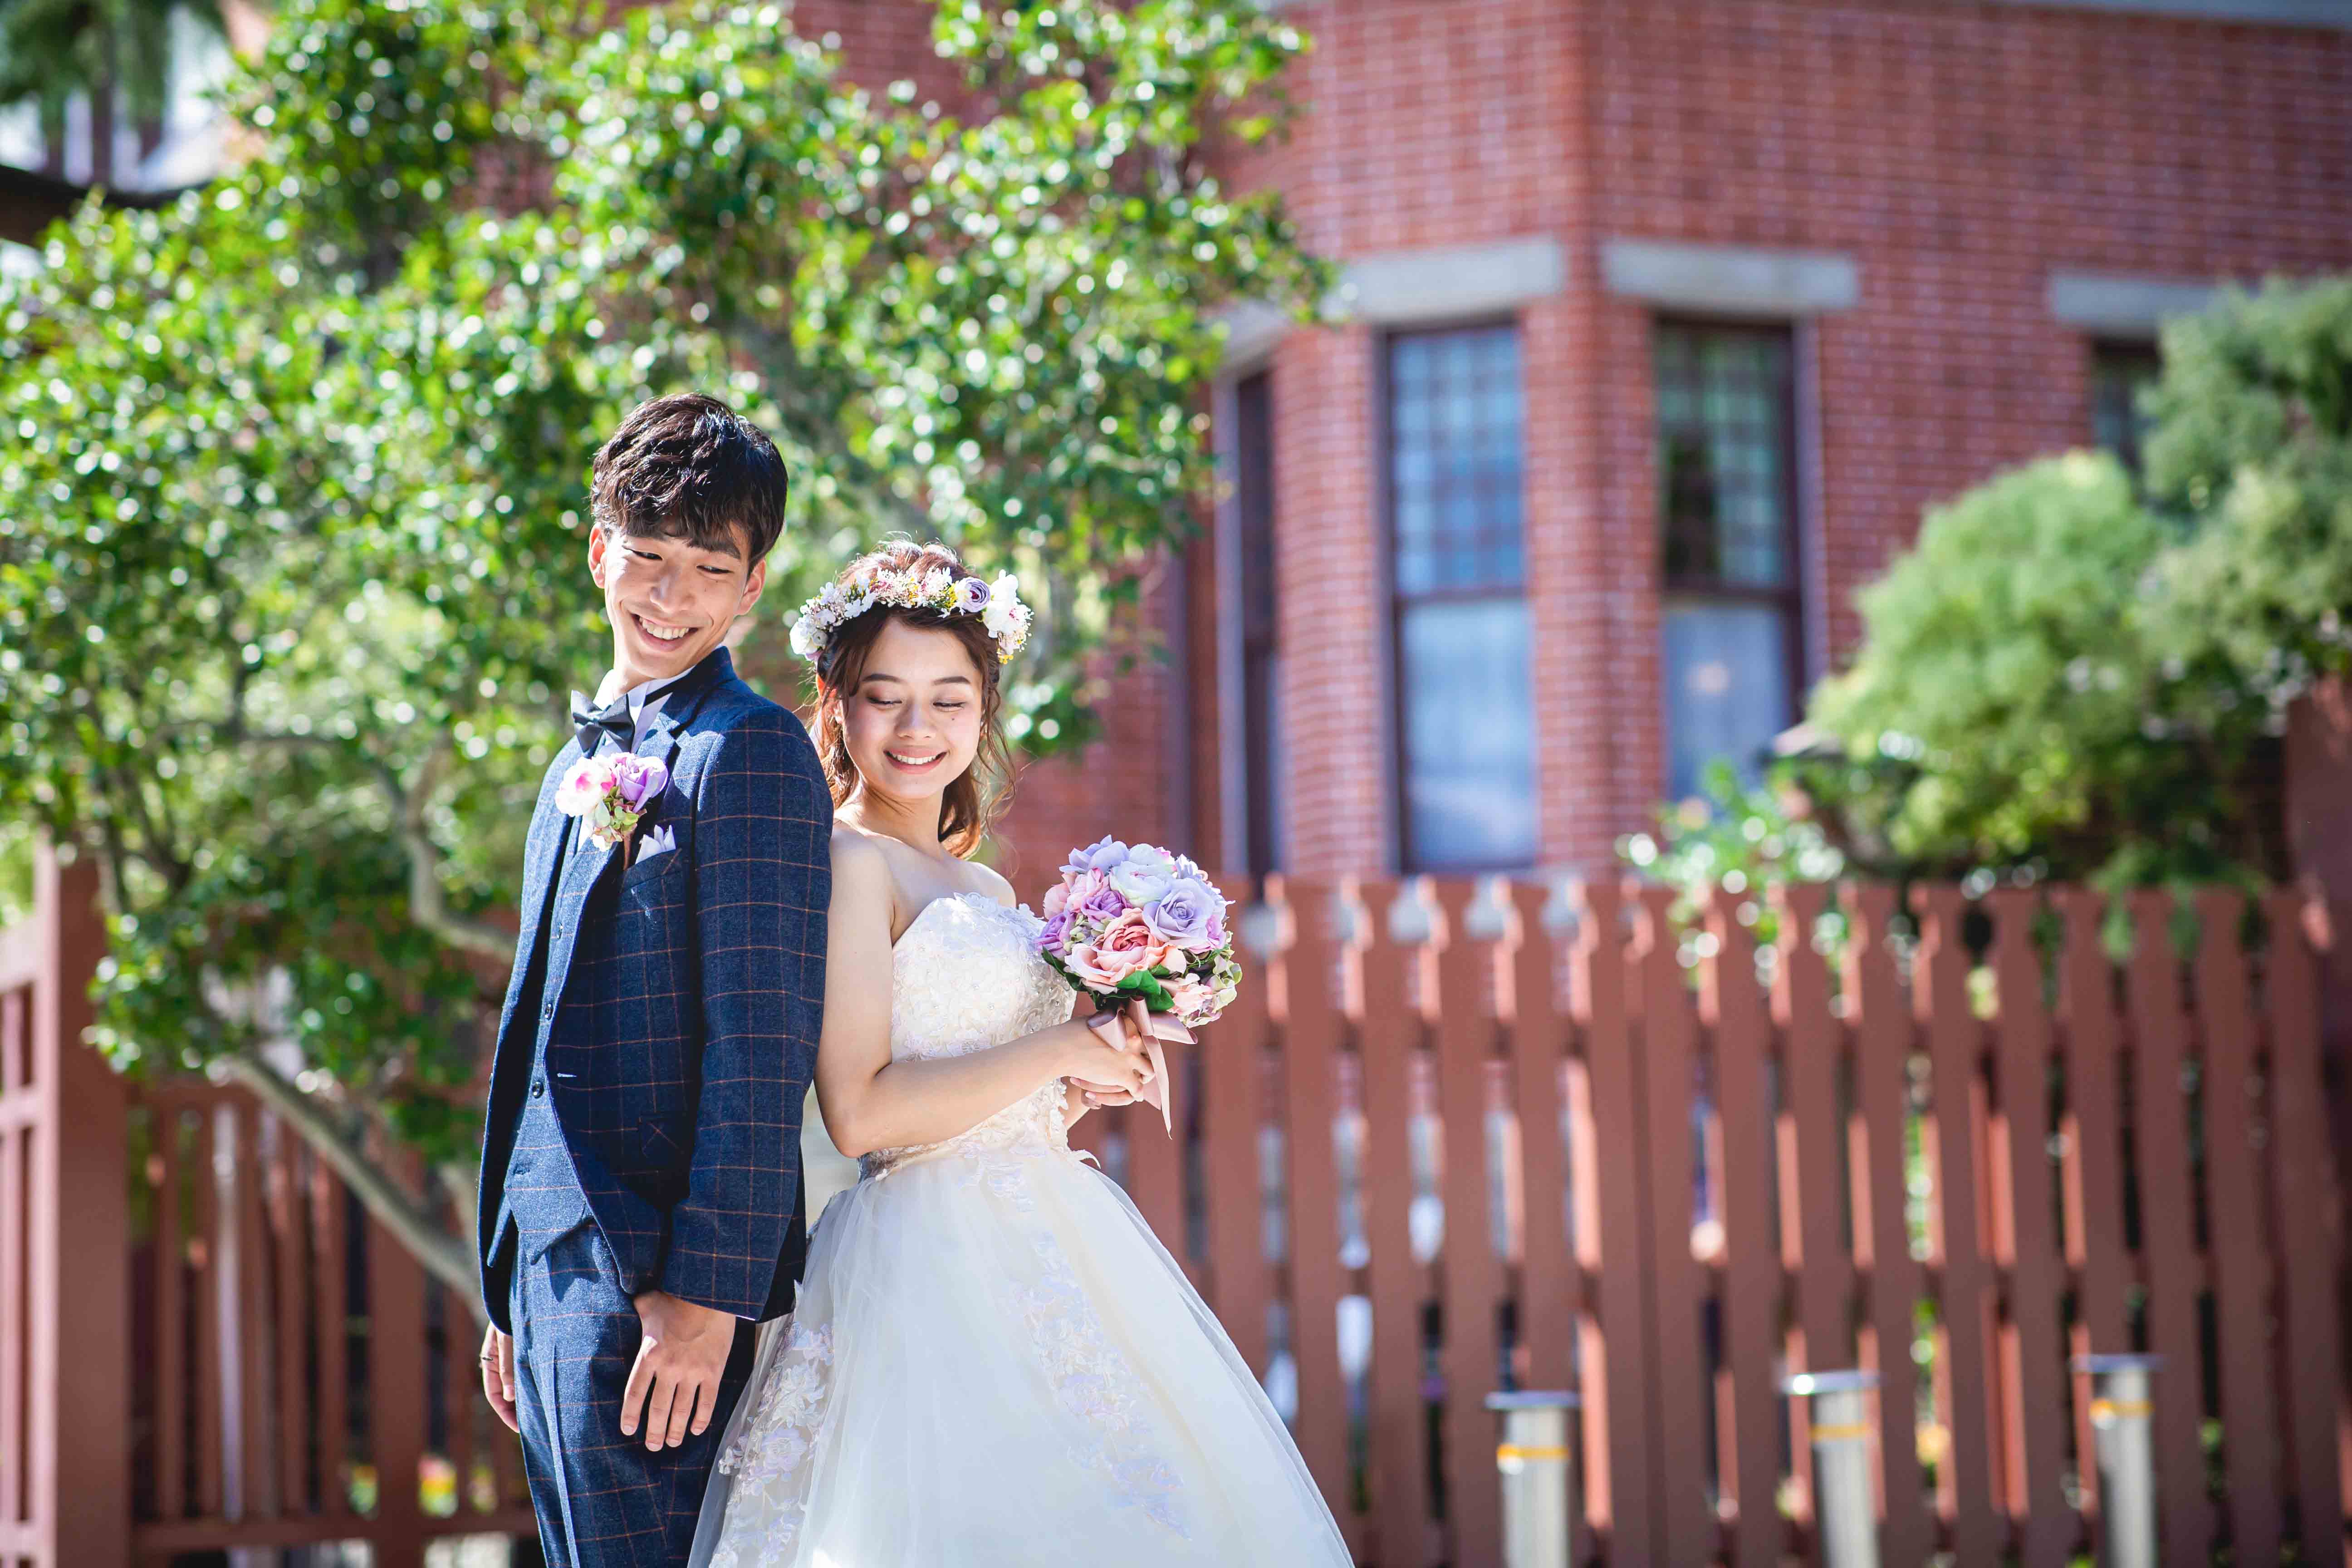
(1133, 923)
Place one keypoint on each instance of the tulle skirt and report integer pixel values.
(993, 1364)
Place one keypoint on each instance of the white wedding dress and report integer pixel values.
(992, 1362)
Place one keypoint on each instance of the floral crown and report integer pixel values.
(998, 605)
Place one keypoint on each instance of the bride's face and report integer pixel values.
(913, 723)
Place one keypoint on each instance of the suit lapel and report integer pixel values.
(572, 867)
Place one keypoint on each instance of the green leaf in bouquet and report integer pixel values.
(1147, 985)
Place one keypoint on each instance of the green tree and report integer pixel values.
(2253, 445)
(286, 637)
(2067, 676)
(2011, 703)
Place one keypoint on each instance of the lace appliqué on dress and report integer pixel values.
(767, 1460)
(1096, 1384)
(992, 1002)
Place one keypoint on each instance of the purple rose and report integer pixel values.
(1100, 907)
(1185, 913)
(971, 595)
(639, 779)
(1102, 855)
(1050, 939)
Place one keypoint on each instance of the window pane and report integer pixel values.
(2119, 372)
(1724, 402)
(1726, 674)
(1469, 734)
(1453, 460)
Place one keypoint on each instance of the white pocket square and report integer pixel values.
(658, 840)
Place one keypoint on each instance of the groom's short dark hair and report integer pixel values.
(689, 466)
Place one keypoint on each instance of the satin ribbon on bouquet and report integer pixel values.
(1154, 1027)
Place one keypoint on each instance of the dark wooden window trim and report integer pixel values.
(1404, 859)
(1260, 612)
(1789, 596)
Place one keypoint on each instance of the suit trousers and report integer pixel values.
(603, 1500)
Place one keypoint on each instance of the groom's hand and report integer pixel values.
(498, 1377)
(680, 1358)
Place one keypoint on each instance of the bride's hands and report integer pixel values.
(1106, 1052)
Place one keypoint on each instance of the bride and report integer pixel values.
(992, 1362)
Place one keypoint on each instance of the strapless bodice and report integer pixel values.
(965, 975)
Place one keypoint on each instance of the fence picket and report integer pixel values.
(1810, 1139)
(290, 1358)
(204, 1289)
(2093, 1165)
(1882, 1230)
(255, 1458)
(1620, 1497)
(1750, 1436)
(1389, 1037)
(1552, 1291)
(169, 1250)
(1669, 1056)
(1968, 1477)
(2159, 1115)
(2309, 1250)
(395, 1397)
(1472, 1274)
(1310, 1026)
(2238, 1211)
(326, 1288)
(2032, 1361)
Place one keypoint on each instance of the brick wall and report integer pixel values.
(1957, 152)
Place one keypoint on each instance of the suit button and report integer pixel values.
(546, 1012)
(538, 1087)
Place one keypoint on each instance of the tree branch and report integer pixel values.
(445, 1255)
(427, 905)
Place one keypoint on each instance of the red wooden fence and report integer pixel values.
(202, 1343)
(1577, 1142)
(1450, 1137)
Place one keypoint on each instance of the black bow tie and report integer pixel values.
(613, 719)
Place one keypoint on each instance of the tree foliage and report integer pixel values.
(2071, 674)
(295, 587)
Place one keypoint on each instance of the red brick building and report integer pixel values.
(1669, 317)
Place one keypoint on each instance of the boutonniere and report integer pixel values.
(610, 794)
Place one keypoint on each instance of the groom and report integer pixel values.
(641, 1200)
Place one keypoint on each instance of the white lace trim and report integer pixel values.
(769, 1461)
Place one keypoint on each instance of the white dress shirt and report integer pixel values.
(644, 701)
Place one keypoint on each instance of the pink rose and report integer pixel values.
(1193, 996)
(1091, 968)
(584, 784)
(1130, 943)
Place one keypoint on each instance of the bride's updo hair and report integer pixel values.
(975, 797)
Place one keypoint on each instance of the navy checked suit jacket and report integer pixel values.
(683, 997)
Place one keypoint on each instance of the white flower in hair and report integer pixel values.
(1003, 612)
(997, 604)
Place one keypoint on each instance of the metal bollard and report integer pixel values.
(1845, 1503)
(1533, 1460)
(2120, 1424)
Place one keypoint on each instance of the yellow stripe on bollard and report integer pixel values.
(1849, 1432)
(1505, 1453)
(2105, 1410)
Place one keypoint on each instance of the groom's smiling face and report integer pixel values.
(670, 600)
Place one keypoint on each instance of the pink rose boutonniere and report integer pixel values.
(610, 794)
